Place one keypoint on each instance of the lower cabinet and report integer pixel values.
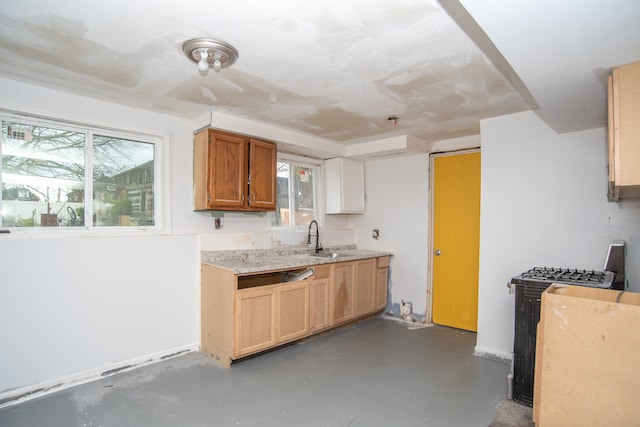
(292, 311)
(382, 280)
(365, 287)
(319, 299)
(358, 288)
(254, 320)
(341, 307)
(247, 314)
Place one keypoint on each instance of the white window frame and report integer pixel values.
(89, 131)
(318, 187)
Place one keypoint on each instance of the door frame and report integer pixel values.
(430, 246)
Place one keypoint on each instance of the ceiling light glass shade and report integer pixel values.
(203, 64)
(209, 53)
(217, 65)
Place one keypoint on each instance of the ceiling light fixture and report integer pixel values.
(210, 53)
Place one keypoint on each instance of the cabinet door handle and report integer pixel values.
(242, 198)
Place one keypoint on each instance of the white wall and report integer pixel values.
(79, 306)
(544, 203)
(73, 307)
(397, 205)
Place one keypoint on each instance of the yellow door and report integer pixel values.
(456, 240)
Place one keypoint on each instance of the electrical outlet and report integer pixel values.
(376, 233)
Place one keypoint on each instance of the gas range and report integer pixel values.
(548, 275)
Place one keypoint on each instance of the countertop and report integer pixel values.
(262, 260)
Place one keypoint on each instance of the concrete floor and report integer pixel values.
(377, 372)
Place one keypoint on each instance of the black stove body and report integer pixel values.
(529, 287)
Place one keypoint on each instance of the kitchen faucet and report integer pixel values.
(318, 247)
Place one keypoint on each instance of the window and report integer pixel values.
(298, 186)
(57, 175)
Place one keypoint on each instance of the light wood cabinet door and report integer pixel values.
(292, 311)
(623, 89)
(262, 175)
(319, 299)
(342, 292)
(382, 275)
(365, 286)
(382, 282)
(254, 327)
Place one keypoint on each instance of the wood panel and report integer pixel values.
(262, 175)
(228, 171)
(364, 286)
(341, 307)
(319, 299)
(254, 320)
(624, 132)
(382, 278)
(216, 313)
(201, 170)
(585, 358)
(292, 319)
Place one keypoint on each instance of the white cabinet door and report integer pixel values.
(344, 186)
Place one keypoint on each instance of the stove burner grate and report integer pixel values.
(594, 278)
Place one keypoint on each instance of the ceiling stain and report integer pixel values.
(335, 69)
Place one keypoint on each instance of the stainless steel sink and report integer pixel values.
(333, 255)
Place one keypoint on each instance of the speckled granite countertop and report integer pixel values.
(260, 260)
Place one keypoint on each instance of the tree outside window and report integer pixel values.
(44, 170)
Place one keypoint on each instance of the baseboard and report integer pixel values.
(22, 394)
(492, 354)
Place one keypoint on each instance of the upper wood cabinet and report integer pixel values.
(624, 132)
(344, 186)
(233, 172)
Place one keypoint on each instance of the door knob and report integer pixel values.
(438, 252)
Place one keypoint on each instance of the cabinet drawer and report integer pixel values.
(321, 271)
(383, 262)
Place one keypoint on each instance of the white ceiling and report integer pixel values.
(336, 69)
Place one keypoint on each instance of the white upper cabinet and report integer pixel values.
(344, 186)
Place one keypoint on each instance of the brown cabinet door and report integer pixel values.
(342, 292)
(254, 327)
(319, 302)
(262, 175)
(292, 311)
(227, 171)
(365, 286)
